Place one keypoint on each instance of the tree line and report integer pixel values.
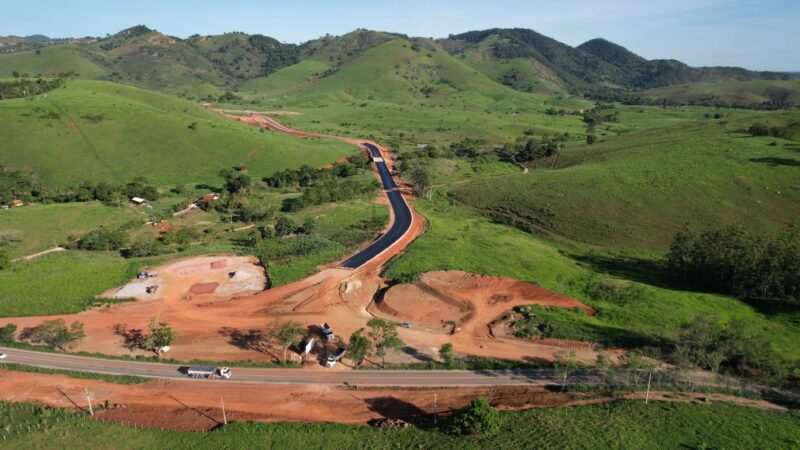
(734, 261)
(24, 185)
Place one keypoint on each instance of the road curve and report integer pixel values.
(417, 378)
(402, 215)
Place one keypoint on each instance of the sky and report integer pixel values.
(755, 34)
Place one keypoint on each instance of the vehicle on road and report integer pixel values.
(334, 357)
(209, 372)
(405, 324)
(3, 356)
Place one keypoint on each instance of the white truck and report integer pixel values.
(334, 357)
(210, 372)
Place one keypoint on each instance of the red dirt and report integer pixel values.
(473, 301)
(195, 405)
(204, 288)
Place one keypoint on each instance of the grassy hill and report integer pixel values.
(50, 61)
(636, 189)
(751, 92)
(597, 66)
(92, 130)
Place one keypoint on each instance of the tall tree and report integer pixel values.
(56, 334)
(161, 335)
(384, 337)
(359, 346)
(287, 334)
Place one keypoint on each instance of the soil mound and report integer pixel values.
(451, 295)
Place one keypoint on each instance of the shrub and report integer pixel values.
(479, 418)
(103, 239)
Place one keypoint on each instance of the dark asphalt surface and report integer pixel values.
(402, 218)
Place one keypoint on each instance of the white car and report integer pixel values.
(3, 356)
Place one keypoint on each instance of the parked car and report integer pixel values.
(406, 324)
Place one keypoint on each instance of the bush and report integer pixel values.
(103, 239)
(144, 247)
(479, 418)
(7, 333)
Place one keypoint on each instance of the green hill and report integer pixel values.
(242, 57)
(93, 130)
(50, 61)
(734, 93)
(597, 66)
(635, 190)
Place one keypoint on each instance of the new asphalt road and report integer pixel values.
(402, 216)
(289, 376)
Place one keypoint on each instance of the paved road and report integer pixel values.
(290, 376)
(402, 217)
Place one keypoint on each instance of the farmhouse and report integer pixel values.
(208, 198)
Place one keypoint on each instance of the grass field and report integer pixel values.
(617, 425)
(61, 283)
(634, 191)
(49, 61)
(462, 241)
(733, 92)
(92, 130)
(43, 226)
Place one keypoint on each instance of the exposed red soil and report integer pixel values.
(204, 288)
(473, 302)
(196, 405)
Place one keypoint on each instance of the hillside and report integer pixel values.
(93, 130)
(635, 190)
(596, 66)
(209, 67)
(50, 61)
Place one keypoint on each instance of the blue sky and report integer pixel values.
(756, 34)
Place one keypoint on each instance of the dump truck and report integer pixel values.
(210, 372)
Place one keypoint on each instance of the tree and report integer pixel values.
(359, 346)
(479, 418)
(161, 335)
(284, 226)
(421, 179)
(565, 364)
(103, 239)
(384, 337)
(287, 334)
(591, 139)
(7, 333)
(56, 334)
(446, 353)
(144, 247)
(309, 225)
(235, 181)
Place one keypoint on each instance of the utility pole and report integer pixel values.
(647, 396)
(89, 401)
(224, 417)
(435, 410)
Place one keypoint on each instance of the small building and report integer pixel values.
(16, 202)
(163, 226)
(208, 198)
(138, 201)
